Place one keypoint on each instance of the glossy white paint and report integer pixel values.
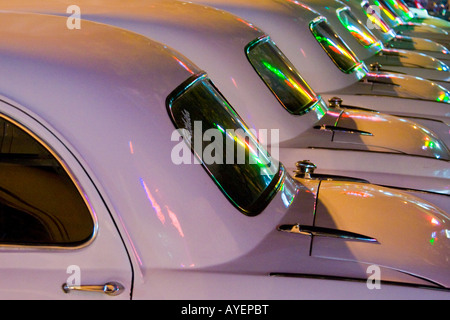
(102, 109)
(420, 230)
(223, 37)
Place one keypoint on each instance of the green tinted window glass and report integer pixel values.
(356, 28)
(281, 76)
(387, 14)
(400, 8)
(39, 203)
(228, 150)
(375, 18)
(334, 46)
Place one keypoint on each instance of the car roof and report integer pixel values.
(287, 22)
(213, 39)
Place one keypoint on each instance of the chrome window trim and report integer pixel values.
(75, 181)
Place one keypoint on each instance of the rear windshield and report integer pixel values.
(356, 28)
(388, 15)
(400, 8)
(241, 168)
(334, 46)
(281, 76)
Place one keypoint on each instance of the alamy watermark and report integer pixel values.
(374, 13)
(374, 277)
(221, 146)
(74, 279)
(74, 20)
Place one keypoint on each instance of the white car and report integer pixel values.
(94, 207)
(371, 50)
(381, 29)
(408, 28)
(268, 93)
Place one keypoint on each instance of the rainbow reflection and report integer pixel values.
(355, 27)
(291, 82)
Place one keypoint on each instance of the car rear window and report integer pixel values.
(357, 29)
(280, 76)
(334, 46)
(241, 168)
(375, 19)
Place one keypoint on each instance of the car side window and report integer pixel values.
(40, 205)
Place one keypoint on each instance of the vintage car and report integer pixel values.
(362, 10)
(403, 27)
(269, 94)
(94, 205)
(371, 50)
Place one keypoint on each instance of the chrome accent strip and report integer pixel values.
(432, 286)
(370, 151)
(406, 189)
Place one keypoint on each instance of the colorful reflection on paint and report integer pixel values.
(281, 77)
(356, 28)
(434, 145)
(334, 46)
(444, 97)
(412, 87)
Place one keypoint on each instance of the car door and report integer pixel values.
(57, 237)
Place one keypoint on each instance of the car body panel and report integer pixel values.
(422, 227)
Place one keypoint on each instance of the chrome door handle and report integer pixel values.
(110, 288)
